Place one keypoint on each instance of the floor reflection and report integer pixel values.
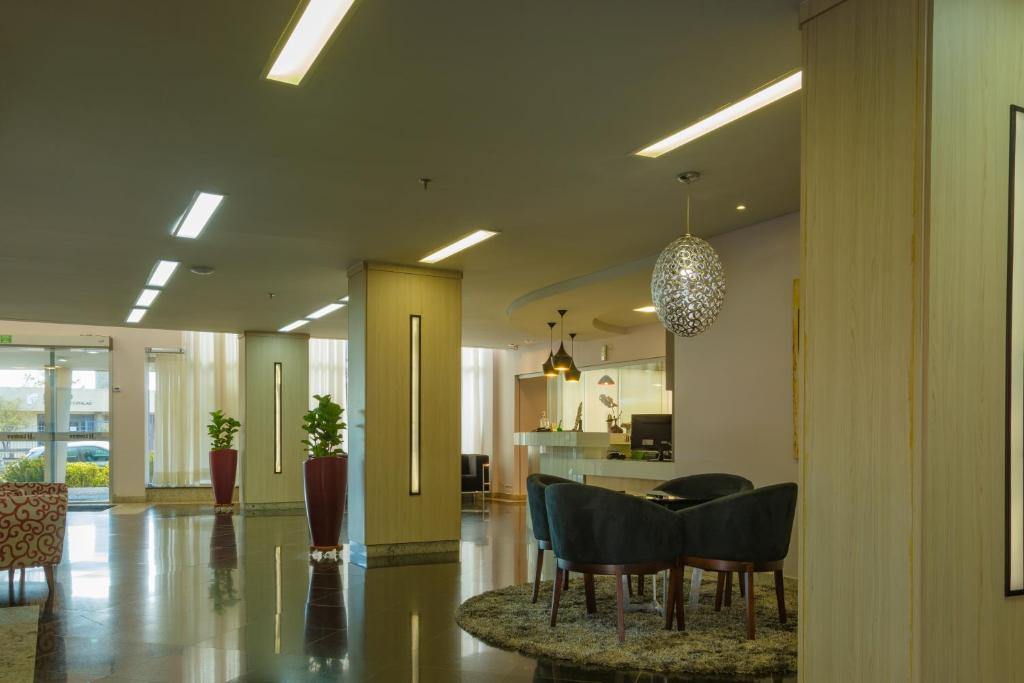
(178, 593)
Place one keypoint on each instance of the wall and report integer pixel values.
(864, 138)
(128, 409)
(969, 629)
(733, 384)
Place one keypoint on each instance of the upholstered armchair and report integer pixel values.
(706, 486)
(32, 523)
(597, 531)
(536, 484)
(746, 532)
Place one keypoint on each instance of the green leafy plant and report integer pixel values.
(323, 425)
(24, 470)
(77, 475)
(222, 430)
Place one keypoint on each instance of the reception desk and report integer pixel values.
(583, 457)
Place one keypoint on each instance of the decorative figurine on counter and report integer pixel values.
(545, 423)
(559, 425)
(613, 417)
(578, 425)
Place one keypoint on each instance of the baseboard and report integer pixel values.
(183, 494)
(127, 499)
(399, 554)
(507, 497)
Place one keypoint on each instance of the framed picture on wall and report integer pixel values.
(1015, 361)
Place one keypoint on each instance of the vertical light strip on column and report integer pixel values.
(277, 603)
(277, 417)
(414, 405)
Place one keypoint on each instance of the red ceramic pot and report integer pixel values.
(326, 481)
(223, 462)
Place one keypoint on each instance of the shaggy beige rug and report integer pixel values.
(714, 643)
(18, 627)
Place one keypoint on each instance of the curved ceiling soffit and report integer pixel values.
(586, 280)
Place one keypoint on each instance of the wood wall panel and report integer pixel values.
(260, 485)
(863, 138)
(390, 294)
(970, 630)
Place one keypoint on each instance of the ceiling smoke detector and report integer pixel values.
(202, 270)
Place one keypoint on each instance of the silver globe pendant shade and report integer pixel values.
(688, 283)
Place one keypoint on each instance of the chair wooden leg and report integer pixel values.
(565, 579)
(629, 584)
(680, 601)
(749, 578)
(536, 575)
(728, 589)
(639, 584)
(51, 583)
(588, 587)
(671, 595)
(780, 595)
(556, 596)
(620, 607)
(719, 590)
(743, 589)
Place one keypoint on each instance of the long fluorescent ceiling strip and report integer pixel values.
(136, 315)
(455, 247)
(309, 36)
(197, 215)
(162, 273)
(760, 98)
(293, 326)
(321, 312)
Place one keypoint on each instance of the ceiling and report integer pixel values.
(524, 115)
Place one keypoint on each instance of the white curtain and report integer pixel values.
(189, 386)
(477, 400)
(328, 374)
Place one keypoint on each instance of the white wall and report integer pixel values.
(733, 384)
(128, 408)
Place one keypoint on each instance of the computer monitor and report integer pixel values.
(651, 432)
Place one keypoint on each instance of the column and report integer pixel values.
(404, 414)
(274, 372)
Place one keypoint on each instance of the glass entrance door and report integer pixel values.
(55, 418)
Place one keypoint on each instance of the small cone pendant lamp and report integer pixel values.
(573, 373)
(548, 367)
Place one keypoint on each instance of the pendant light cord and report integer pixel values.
(687, 210)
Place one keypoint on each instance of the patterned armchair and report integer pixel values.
(32, 522)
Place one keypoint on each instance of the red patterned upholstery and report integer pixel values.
(32, 522)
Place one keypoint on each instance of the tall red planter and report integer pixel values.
(223, 463)
(326, 482)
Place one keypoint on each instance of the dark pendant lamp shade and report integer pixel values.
(606, 381)
(548, 367)
(562, 360)
(573, 374)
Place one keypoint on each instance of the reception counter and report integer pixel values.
(583, 457)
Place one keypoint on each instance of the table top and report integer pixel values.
(671, 501)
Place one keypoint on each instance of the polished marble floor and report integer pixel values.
(177, 593)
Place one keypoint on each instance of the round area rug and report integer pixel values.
(713, 644)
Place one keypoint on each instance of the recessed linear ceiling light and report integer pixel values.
(197, 215)
(455, 247)
(136, 315)
(162, 273)
(293, 326)
(344, 299)
(146, 298)
(321, 312)
(309, 36)
(760, 98)
(645, 309)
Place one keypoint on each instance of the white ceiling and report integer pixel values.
(525, 114)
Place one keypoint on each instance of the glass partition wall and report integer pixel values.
(611, 394)
(55, 418)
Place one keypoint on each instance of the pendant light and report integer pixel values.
(548, 367)
(688, 283)
(562, 360)
(573, 373)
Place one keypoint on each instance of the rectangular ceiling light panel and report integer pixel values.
(722, 117)
(293, 326)
(161, 273)
(455, 247)
(197, 215)
(136, 315)
(309, 36)
(146, 298)
(321, 312)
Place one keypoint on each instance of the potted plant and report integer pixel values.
(326, 474)
(223, 458)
